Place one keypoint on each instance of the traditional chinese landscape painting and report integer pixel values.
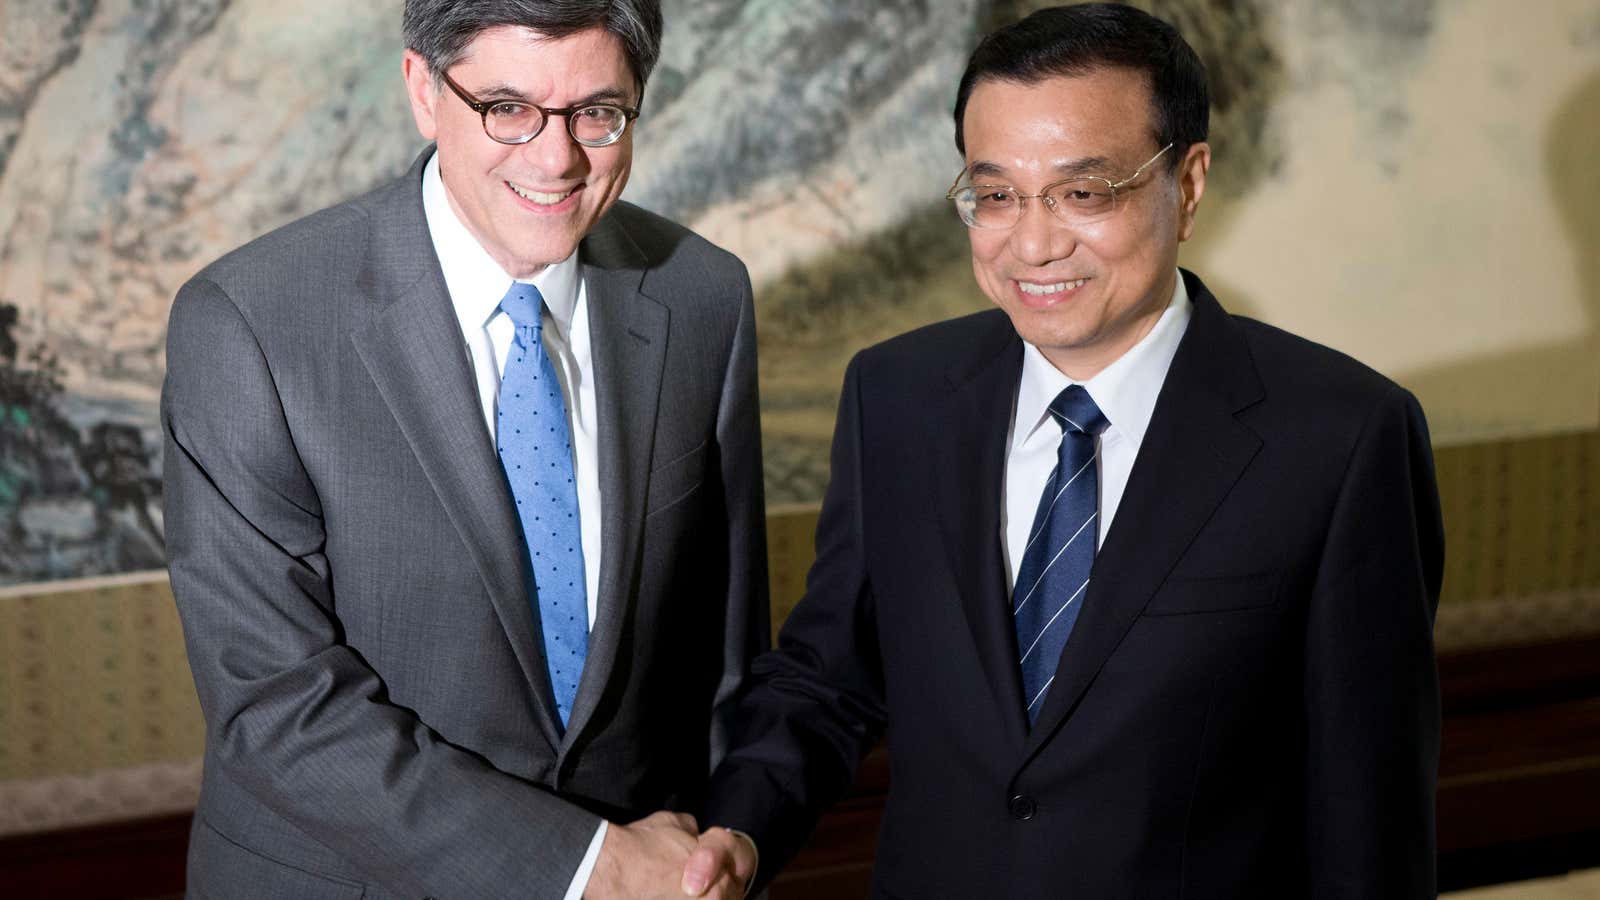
(1409, 181)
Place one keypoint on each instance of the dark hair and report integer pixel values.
(440, 30)
(1076, 40)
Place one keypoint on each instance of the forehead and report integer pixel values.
(1103, 114)
(530, 62)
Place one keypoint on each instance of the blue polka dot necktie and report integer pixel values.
(1054, 575)
(536, 452)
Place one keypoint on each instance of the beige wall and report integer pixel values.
(1437, 215)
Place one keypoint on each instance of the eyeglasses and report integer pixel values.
(516, 122)
(1075, 201)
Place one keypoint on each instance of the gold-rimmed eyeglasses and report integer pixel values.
(1083, 200)
(518, 122)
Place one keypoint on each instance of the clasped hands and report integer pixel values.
(665, 855)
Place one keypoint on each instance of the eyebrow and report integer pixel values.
(502, 91)
(1083, 165)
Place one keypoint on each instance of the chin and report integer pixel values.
(539, 257)
(1054, 342)
(1048, 327)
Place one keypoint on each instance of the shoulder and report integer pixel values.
(302, 277)
(1317, 400)
(323, 244)
(939, 350)
(1321, 381)
(290, 293)
(666, 247)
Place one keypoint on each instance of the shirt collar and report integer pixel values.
(1125, 391)
(475, 281)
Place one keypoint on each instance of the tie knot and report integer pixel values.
(524, 304)
(1076, 411)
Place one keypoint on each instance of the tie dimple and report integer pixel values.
(524, 305)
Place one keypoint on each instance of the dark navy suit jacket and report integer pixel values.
(1248, 704)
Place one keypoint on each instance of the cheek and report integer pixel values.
(988, 248)
(1110, 246)
(492, 172)
(615, 166)
(987, 252)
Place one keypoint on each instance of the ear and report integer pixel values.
(1192, 185)
(420, 90)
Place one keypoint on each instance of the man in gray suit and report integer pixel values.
(463, 486)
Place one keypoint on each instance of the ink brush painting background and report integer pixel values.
(1410, 181)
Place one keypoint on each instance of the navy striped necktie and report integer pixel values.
(1054, 575)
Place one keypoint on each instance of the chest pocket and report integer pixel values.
(676, 479)
(1183, 596)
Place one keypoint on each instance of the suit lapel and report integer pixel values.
(411, 347)
(628, 334)
(1193, 453)
(971, 437)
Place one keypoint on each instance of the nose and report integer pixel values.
(1039, 237)
(553, 153)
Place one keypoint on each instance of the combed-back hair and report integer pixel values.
(1076, 40)
(440, 30)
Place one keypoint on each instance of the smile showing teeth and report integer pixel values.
(1039, 290)
(539, 197)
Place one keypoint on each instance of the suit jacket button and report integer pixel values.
(1023, 807)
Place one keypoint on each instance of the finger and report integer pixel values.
(682, 840)
(728, 887)
(675, 821)
(742, 854)
(706, 863)
(736, 852)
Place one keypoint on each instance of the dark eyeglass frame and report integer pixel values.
(482, 107)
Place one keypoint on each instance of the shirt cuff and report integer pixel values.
(755, 853)
(580, 879)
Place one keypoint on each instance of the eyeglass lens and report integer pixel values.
(514, 123)
(1075, 202)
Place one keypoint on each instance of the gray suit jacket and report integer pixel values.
(349, 570)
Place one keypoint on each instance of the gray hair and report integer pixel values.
(440, 30)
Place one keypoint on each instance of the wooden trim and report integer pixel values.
(1461, 870)
(1502, 677)
(1521, 752)
(138, 859)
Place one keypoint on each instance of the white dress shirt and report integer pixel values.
(476, 283)
(1126, 393)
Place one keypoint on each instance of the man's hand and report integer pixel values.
(644, 859)
(721, 866)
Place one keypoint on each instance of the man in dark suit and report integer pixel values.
(464, 498)
(1140, 592)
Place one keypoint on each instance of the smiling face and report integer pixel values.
(1083, 295)
(528, 204)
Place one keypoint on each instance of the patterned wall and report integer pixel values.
(98, 718)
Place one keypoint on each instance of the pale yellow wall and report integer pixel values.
(1446, 230)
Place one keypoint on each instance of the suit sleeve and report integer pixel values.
(747, 613)
(293, 715)
(816, 703)
(1371, 684)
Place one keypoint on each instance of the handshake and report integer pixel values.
(665, 855)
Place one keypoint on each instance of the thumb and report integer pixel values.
(700, 870)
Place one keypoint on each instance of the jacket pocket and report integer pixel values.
(676, 479)
(222, 869)
(1182, 596)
